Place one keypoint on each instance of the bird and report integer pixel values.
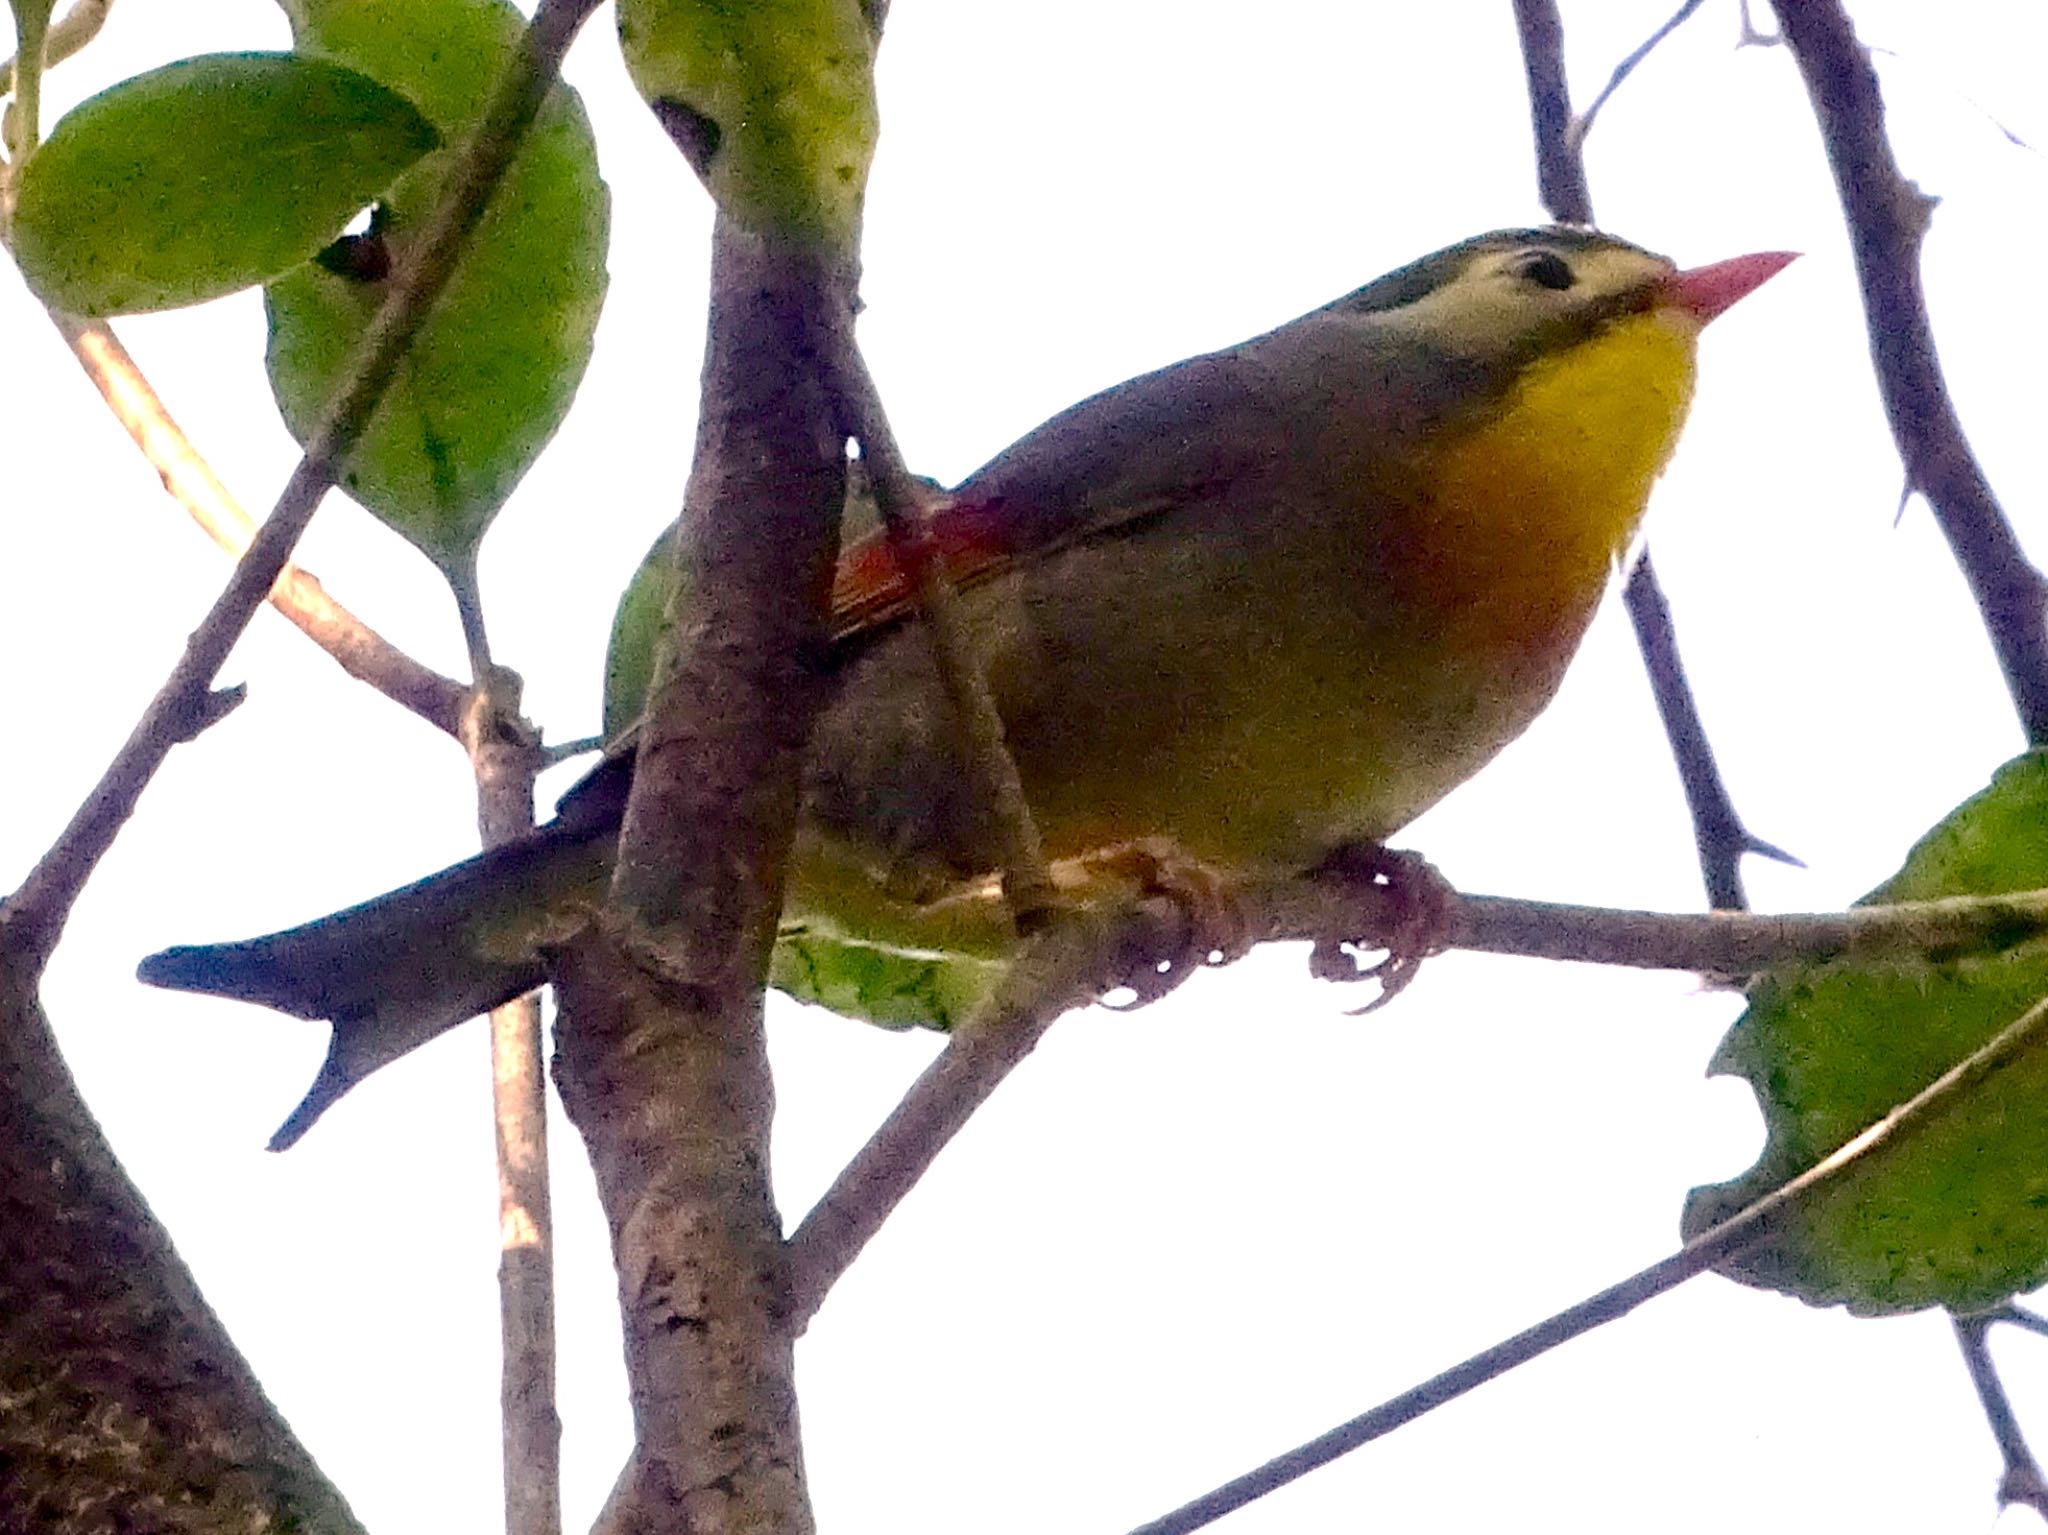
(1260, 606)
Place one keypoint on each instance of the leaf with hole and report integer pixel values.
(204, 177)
(1957, 1214)
(493, 369)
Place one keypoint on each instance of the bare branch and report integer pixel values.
(1063, 966)
(1716, 943)
(69, 33)
(662, 1058)
(2020, 1317)
(1887, 218)
(1582, 125)
(1071, 961)
(1084, 950)
(1863, 1153)
(2021, 1481)
(558, 752)
(1560, 171)
(1026, 880)
(1718, 835)
(1718, 832)
(1752, 36)
(504, 752)
(74, 29)
(36, 912)
(357, 648)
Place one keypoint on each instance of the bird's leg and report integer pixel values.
(1415, 912)
(1214, 928)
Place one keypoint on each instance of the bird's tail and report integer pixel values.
(395, 972)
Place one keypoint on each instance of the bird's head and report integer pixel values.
(1516, 295)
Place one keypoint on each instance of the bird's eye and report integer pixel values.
(1546, 269)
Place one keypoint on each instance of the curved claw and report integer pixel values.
(1214, 928)
(1418, 905)
(1393, 973)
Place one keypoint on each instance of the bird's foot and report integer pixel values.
(1214, 928)
(1415, 915)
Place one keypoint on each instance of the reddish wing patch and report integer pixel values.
(872, 586)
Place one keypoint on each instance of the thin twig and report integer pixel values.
(357, 648)
(1065, 965)
(1062, 966)
(1718, 835)
(1725, 943)
(504, 752)
(2021, 1481)
(1751, 35)
(69, 33)
(1718, 832)
(36, 912)
(2020, 1317)
(558, 752)
(1753, 1223)
(1027, 882)
(24, 114)
(1560, 170)
(1887, 218)
(1582, 125)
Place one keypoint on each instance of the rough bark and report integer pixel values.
(662, 1059)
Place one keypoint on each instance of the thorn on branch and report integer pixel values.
(558, 752)
(207, 708)
(1916, 209)
(1887, 218)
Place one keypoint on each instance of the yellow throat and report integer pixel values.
(1549, 489)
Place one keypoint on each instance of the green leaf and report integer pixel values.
(493, 370)
(892, 988)
(206, 176)
(774, 100)
(637, 625)
(1957, 1216)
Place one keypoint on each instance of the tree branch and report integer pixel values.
(662, 1058)
(1719, 837)
(1027, 882)
(1063, 966)
(68, 33)
(1862, 1154)
(1069, 963)
(1582, 124)
(1887, 218)
(1560, 168)
(357, 648)
(504, 753)
(1718, 833)
(128, 1406)
(2021, 1481)
(35, 913)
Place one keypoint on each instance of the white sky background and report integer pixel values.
(1181, 1241)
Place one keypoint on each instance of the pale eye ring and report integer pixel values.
(1546, 269)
